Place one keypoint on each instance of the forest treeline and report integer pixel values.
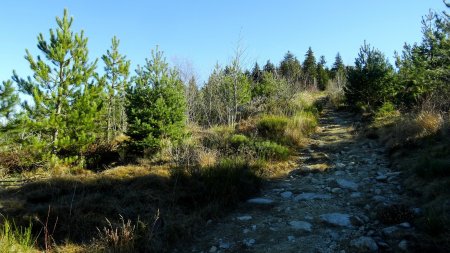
(68, 109)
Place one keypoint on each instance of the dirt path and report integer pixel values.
(337, 210)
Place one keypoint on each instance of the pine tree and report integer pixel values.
(270, 68)
(156, 106)
(370, 82)
(291, 70)
(322, 74)
(338, 65)
(256, 74)
(310, 69)
(8, 99)
(116, 75)
(65, 101)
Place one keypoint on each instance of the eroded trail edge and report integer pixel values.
(333, 202)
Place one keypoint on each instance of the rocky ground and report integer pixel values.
(343, 197)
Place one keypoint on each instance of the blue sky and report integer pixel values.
(205, 32)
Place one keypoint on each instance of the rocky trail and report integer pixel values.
(343, 197)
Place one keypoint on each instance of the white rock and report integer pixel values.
(301, 225)
(224, 245)
(244, 218)
(381, 178)
(260, 201)
(403, 245)
(336, 219)
(249, 242)
(336, 190)
(286, 194)
(347, 184)
(355, 195)
(312, 196)
(389, 231)
(340, 165)
(364, 244)
(213, 249)
(405, 225)
(379, 198)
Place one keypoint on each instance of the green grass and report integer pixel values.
(272, 127)
(268, 150)
(15, 238)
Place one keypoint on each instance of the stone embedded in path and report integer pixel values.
(381, 178)
(347, 184)
(364, 244)
(260, 201)
(301, 225)
(249, 242)
(244, 218)
(336, 219)
(286, 194)
(312, 196)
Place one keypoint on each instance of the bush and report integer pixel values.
(370, 82)
(271, 151)
(272, 127)
(302, 124)
(387, 110)
(238, 140)
(230, 181)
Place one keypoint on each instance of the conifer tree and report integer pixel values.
(270, 68)
(322, 73)
(256, 74)
(156, 105)
(65, 100)
(291, 70)
(8, 99)
(116, 75)
(310, 69)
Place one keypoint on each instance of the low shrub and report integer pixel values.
(272, 127)
(230, 181)
(386, 111)
(238, 140)
(271, 151)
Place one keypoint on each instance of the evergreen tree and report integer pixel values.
(156, 105)
(291, 70)
(424, 69)
(256, 74)
(338, 72)
(310, 69)
(117, 70)
(270, 68)
(322, 74)
(370, 82)
(8, 99)
(66, 102)
(338, 64)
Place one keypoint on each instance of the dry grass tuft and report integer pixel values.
(429, 122)
(207, 158)
(117, 238)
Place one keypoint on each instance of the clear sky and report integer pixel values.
(204, 32)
